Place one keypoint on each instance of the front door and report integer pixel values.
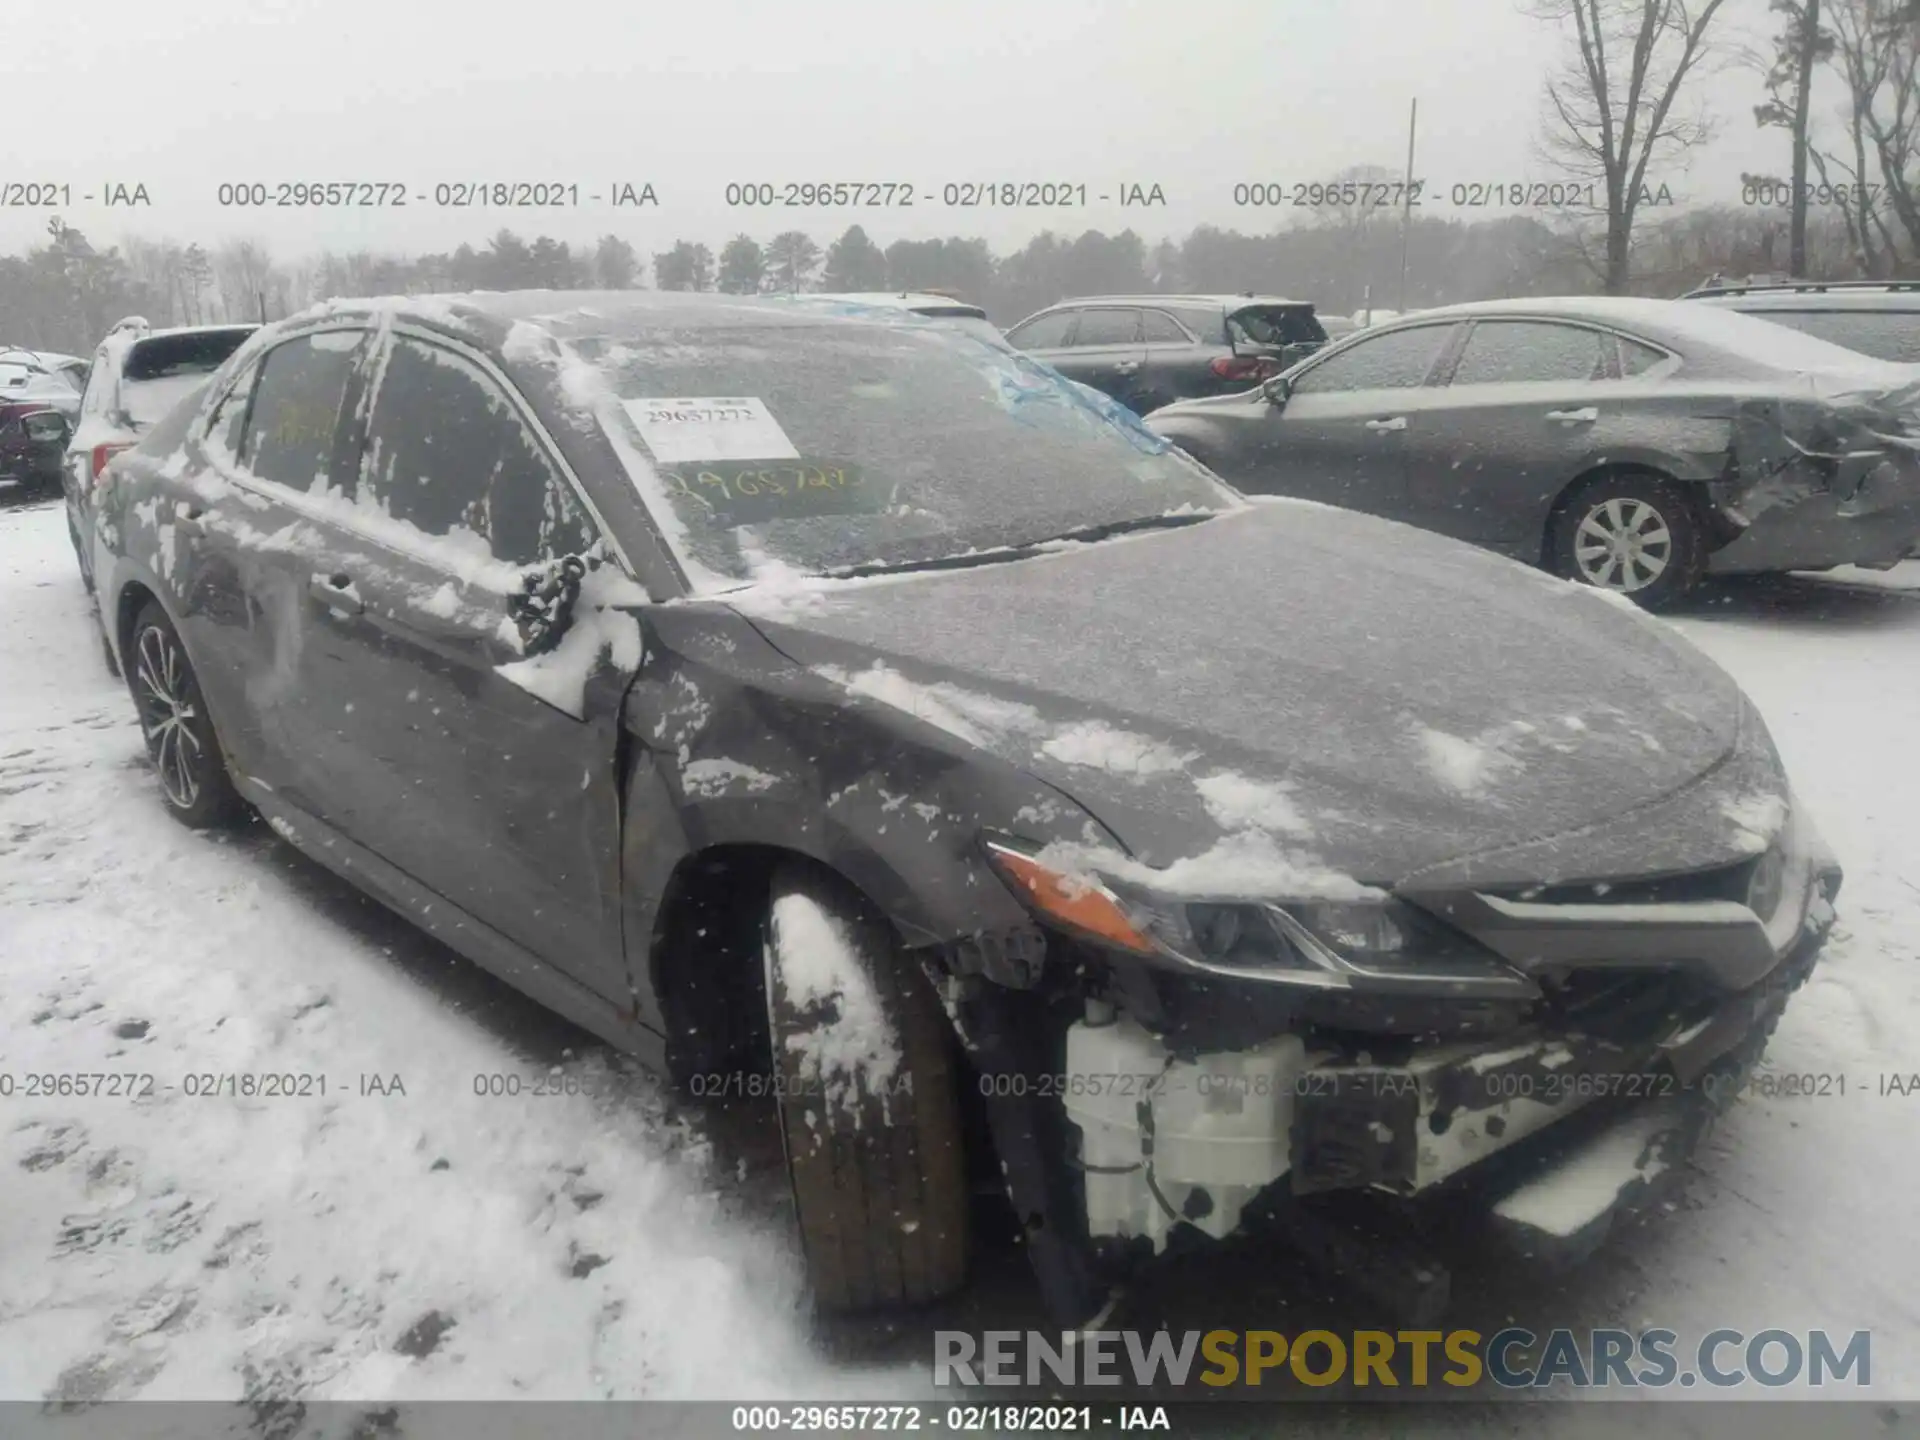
(1340, 436)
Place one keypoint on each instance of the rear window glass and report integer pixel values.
(165, 356)
(1883, 334)
(1274, 325)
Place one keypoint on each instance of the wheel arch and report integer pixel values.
(1692, 487)
(130, 598)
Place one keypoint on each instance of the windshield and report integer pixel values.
(822, 447)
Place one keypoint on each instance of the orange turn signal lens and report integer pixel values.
(1074, 900)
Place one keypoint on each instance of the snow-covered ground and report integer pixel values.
(440, 1243)
(212, 1246)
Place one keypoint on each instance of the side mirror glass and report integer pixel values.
(1277, 390)
(46, 427)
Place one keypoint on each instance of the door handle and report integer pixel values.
(1395, 422)
(1575, 417)
(1127, 367)
(337, 593)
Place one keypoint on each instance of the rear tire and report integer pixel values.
(1633, 532)
(181, 742)
(877, 1163)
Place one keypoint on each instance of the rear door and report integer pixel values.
(491, 786)
(1487, 458)
(1178, 363)
(1104, 350)
(1340, 435)
(282, 434)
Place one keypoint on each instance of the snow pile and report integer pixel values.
(976, 719)
(1246, 865)
(850, 1051)
(1757, 820)
(1239, 802)
(1468, 766)
(1101, 747)
(1572, 1196)
(716, 777)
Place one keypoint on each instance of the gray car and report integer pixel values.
(1150, 350)
(1625, 443)
(834, 709)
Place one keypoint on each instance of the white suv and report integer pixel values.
(138, 375)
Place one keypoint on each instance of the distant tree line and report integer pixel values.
(64, 293)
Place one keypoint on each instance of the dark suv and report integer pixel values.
(1880, 318)
(1150, 350)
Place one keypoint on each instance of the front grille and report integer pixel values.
(1728, 882)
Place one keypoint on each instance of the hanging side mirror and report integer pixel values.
(543, 611)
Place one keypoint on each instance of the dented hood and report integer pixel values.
(1378, 701)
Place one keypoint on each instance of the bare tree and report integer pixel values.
(1361, 200)
(243, 274)
(1613, 110)
(1799, 47)
(1877, 53)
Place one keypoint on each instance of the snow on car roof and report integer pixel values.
(904, 300)
(1675, 323)
(574, 313)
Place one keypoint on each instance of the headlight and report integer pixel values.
(1379, 946)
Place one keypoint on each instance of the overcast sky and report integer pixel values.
(687, 97)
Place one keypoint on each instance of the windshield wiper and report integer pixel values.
(1085, 535)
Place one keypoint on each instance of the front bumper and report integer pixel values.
(1546, 1135)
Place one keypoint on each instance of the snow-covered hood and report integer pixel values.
(1377, 700)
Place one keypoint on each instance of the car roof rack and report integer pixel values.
(1717, 286)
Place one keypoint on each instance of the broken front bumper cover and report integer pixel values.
(1546, 1135)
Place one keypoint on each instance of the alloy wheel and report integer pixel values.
(163, 685)
(1623, 544)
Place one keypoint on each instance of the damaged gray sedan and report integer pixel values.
(832, 707)
(1630, 444)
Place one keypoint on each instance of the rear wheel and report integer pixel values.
(1632, 532)
(868, 1099)
(179, 732)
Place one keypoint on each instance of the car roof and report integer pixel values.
(902, 300)
(1814, 299)
(1621, 310)
(141, 330)
(1225, 302)
(488, 317)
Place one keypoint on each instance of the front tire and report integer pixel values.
(868, 1100)
(1631, 532)
(178, 730)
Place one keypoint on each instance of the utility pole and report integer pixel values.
(1406, 212)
